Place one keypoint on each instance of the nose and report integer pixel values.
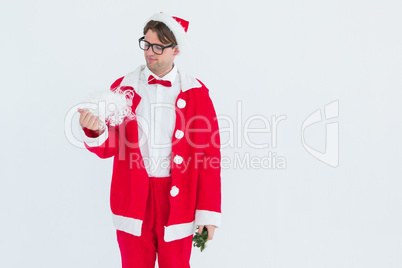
(149, 52)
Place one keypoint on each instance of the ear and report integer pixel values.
(176, 50)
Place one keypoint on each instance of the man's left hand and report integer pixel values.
(210, 228)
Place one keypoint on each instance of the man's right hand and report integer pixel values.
(90, 121)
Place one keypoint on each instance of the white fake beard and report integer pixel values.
(112, 108)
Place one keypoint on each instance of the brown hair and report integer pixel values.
(165, 35)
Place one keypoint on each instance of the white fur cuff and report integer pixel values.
(206, 217)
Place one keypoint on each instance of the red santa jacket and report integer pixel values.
(195, 196)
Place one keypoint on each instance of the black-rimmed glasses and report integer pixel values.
(157, 49)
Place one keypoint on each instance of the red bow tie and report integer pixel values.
(153, 80)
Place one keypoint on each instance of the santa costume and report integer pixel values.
(157, 208)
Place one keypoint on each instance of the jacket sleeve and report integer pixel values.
(105, 145)
(208, 208)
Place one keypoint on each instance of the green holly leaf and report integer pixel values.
(200, 240)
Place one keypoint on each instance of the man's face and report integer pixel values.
(159, 64)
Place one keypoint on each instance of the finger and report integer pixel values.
(84, 117)
(96, 124)
(88, 121)
(92, 122)
(200, 228)
(211, 231)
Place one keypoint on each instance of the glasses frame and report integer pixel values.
(152, 45)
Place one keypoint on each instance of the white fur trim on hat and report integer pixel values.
(174, 26)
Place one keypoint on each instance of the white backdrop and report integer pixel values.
(278, 58)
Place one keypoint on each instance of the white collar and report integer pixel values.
(187, 81)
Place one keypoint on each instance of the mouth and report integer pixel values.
(151, 60)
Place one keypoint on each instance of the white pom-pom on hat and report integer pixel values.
(177, 25)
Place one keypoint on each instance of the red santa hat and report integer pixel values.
(177, 25)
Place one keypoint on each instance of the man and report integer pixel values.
(157, 207)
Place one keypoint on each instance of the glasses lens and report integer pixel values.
(144, 45)
(158, 49)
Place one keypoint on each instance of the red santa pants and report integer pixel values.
(141, 251)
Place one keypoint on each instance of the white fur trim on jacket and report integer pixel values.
(94, 142)
(132, 79)
(206, 217)
(128, 225)
(172, 232)
(179, 231)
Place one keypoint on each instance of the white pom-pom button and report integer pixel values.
(174, 191)
(178, 159)
(181, 103)
(179, 134)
